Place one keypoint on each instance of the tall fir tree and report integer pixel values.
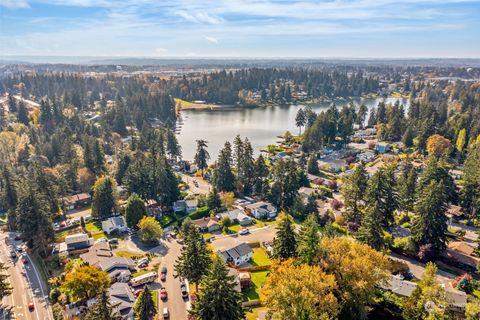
(407, 184)
(430, 224)
(223, 177)
(135, 210)
(309, 240)
(145, 308)
(102, 309)
(194, 260)
(217, 298)
(471, 186)
(312, 165)
(285, 242)
(103, 202)
(353, 190)
(202, 156)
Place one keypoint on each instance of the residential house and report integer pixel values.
(207, 224)
(382, 147)
(235, 274)
(100, 255)
(305, 192)
(461, 253)
(75, 243)
(236, 216)
(187, 206)
(315, 179)
(455, 212)
(237, 255)
(456, 300)
(261, 210)
(122, 298)
(76, 201)
(366, 157)
(114, 224)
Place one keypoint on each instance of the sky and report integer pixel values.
(243, 29)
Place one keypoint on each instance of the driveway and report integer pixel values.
(202, 188)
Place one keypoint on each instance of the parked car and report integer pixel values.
(163, 294)
(142, 265)
(180, 241)
(183, 288)
(31, 306)
(113, 241)
(163, 274)
(13, 254)
(19, 249)
(244, 232)
(24, 260)
(165, 313)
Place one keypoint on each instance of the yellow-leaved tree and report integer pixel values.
(84, 282)
(300, 292)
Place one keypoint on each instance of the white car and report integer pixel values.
(244, 232)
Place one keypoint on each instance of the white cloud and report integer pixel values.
(199, 17)
(211, 39)
(14, 4)
(161, 51)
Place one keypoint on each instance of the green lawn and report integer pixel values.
(140, 272)
(155, 298)
(260, 257)
(261, 223)
(234, 228)
(129, 254)
(93, 227)
(3, 218)
(258, 278)
(476, 293)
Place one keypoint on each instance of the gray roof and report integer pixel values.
(238, 251)
(236, 214)
(121, 295)
(76, 238)
(116, 262)
(261, 204)
(114, 222)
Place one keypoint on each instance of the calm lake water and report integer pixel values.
(260, 125)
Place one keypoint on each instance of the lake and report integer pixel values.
(260, 125)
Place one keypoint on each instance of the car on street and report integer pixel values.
(13, 254)
(19, 249)
(163, 273)
(113, 241)
(179, 241)
(183, 288)
(163, 294)
(244, 232)
(31, 306)
(165, 313)
(24, 260)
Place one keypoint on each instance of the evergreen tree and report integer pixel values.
(300, 119)
(285, 242)
(223, 177)
(353, 190)
(102, 309)
(5, 287)
(436, 170)
(135, 210)
(22, 115)
(98, 157)
(309, 240)
(372, 120)
(103, 202)
(312, 165)
(430, 224)
(217, 298)
(471, 186)
(408, 136)
(173, 148)
(371, 231)
(213, 199)
(33, 218)
(194, 260)
(361, 115)
(8, 188)
(202, 156)
(145, 308)
(124, 161)
(260, 183)
(407, 185)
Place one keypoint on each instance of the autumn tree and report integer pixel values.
(149, 230)
(438, 146)
(217, 297)
(427, 301)
(84, 282)
(358, 270)
(135, 210)
(300, 292)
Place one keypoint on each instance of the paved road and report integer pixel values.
(27, 286)
(203, 186)
(263, 234)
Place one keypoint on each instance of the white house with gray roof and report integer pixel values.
(238, 255)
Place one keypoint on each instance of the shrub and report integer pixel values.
(403, 245)
(202, 212)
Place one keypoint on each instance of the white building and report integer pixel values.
(114, 224)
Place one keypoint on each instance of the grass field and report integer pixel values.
(235, 228)
(253, 314)
(258, 278)
(260, 257)
(129, 254)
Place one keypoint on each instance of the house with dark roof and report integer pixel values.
(187, 206)
(122, 298)
(76, 201)
(237, 255)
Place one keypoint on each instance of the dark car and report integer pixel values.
(163, 274)
(183, 288)
(31, 306)
(24, 260)
(163, 294)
